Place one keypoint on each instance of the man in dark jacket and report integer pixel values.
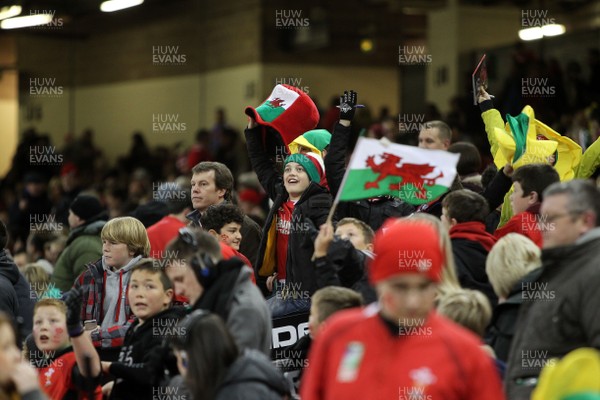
(86, 220)
(16, 296)
(559, 310)
(464, 213)
(212, 183)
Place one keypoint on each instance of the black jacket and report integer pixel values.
(251, 234)
(470, 257)
(16, 296)
(345, 266)
(252, 376)
(313, 206)
(374, 212)
(133, 370)
(504, 319)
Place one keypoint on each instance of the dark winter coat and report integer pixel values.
(504, 319)
(559, 313)
(16, 296)
(345, 266)
(470, 247)
(133, 372)
(313, 206)
(83, 246)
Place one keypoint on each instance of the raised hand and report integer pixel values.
(348, 105)
(73, 300)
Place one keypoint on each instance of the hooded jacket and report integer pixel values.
(92, 281)
(252, 376)
(240, 304)
(16, 297)
(83, 246)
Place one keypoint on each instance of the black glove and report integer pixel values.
(73, 301)
(348, 105)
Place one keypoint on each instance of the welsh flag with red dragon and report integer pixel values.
(412, 174)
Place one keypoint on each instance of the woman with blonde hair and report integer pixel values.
(512, 264)
(39, 282)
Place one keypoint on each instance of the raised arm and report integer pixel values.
(264, 167)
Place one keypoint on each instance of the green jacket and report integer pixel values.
(83, 246)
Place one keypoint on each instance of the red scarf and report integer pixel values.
(474, 231)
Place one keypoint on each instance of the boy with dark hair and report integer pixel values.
(224, 222)
(342, 260)
(464, 213)
(150, 294)
(529, 182)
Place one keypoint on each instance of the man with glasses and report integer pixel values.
(560, 308)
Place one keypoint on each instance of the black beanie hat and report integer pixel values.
(86, 207)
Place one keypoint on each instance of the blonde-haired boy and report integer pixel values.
(104, 282)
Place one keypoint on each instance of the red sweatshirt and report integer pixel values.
(357, 356)
(525, 223)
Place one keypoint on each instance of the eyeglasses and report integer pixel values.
(188, 236)
(548, 219)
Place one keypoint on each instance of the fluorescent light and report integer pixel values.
(10, 11)
(553, 29)
(531, 33)
(115, 5)
(26, 20)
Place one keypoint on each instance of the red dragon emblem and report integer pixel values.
(276, 102)
(410, 173)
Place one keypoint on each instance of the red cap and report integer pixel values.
(406, 246)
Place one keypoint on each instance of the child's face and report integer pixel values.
(115, 254)
(295, 180)
(231, 234)
(518, 200)
(354, 234)
(147, 295)
(9, 353)
(50, 328)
